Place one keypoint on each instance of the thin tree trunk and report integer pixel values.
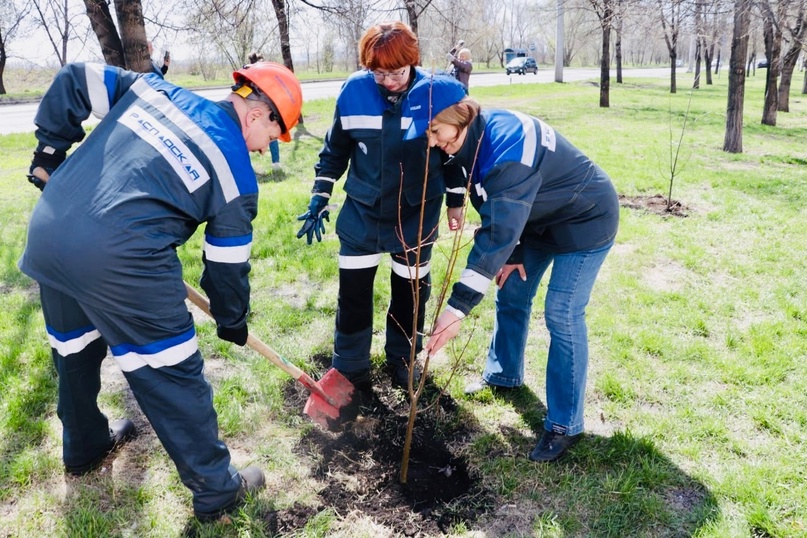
(804, 84)
(605, 75)
(773, 49)
(283, 28)
(618, 44)
(412, 13)
(2, 63)
(733, 140)
(790, 60)
(673, 59)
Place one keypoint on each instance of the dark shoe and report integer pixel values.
(360, 379)
(480, 385)
(252, 480)
(120, 431)
(552, 446)
(399, 375)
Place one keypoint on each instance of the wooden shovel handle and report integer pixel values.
(201, 301)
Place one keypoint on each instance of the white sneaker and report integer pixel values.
(277, 166)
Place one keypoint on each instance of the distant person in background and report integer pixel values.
(274, 146)
(157, 68)
(461, 65)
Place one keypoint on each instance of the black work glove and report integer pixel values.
(48, 162)
(235, 335)
(314, 218)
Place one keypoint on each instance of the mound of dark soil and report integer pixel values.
(360, 465)
(656, 204)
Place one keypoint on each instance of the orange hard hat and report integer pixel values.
(279, 85)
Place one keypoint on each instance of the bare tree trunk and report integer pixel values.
(283, 28)
(412, 13)
(673, 59)
(560, 40)
(605, 12)
(104, 28)
(618, 42)
(772, 34)
(3, 58)
(132, 30)
(791, 57)
(733, 140)
(605, 75)
(671, 29)
(699, 42)
(804, 84)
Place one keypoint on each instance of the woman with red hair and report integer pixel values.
(394, 190)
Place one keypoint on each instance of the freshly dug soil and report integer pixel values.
(359, 466)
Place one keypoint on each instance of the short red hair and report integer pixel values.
(388, 45)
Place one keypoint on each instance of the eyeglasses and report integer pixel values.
(395, 76)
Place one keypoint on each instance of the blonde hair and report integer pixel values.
(459, 115)
(464, 55)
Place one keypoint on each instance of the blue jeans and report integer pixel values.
(570, 284)
(274, 150)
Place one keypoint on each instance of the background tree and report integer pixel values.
(794, 32)
(733, 140)
(104, 28)
(125, 45)
(672, 14)
(12, 16)
(604, 10)
(773, 14)
(62, 24)
(282, 15)
(233, 27)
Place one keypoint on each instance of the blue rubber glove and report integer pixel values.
(314, 218)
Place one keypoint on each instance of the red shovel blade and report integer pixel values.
(326, 405)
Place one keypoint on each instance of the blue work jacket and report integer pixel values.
(388, 178)
(532, 189)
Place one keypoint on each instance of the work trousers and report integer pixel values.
(354, 314)
(164, 368)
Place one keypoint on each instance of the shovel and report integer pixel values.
(328, 396)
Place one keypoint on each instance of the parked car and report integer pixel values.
(521, 65)
(763, 63)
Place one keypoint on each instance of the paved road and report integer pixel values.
(20, 118)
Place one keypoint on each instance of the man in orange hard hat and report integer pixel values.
(102, 245)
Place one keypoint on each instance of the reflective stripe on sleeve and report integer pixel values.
(94, 75)
(228, 249)
(477, 282)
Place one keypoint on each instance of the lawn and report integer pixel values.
(696, 410)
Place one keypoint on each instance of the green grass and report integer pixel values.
(696, 409)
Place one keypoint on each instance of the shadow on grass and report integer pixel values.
(604, 486)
